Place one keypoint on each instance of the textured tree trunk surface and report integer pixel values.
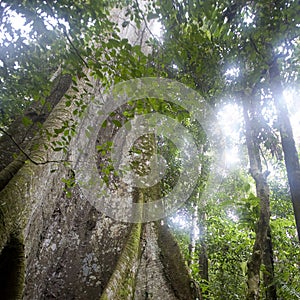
(19, 138)
(58, 247)
(291, 157)
(64, 248)
(262, 192)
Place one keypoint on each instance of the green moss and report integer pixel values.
(7, 174)
(122, 282)
(16, 195)
(13, 203)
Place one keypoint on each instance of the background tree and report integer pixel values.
(241, 36)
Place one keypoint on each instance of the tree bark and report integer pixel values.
(262, 191)
(268, 274)
(64, 247)
(192, 236)
(201, 249)
(288, 143)
(73, 251)
(20, 137)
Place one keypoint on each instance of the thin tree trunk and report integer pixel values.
(203, 266)
(203, 261)
(262, 190)
(288, 143)
(268, 275)
(198, 247)
(192, 235)
(201, 246)
(202, 250)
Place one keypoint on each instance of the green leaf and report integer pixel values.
(128, 126)
(104, 124)
(152, 15)
(58, 130)
(26, 121)
(125, 24)
(117, 123)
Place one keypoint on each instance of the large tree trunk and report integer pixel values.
(288, 143)
(68, 249)
(56, 244)
(262, 191)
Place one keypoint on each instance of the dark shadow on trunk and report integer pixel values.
(176, 271)
(12, 269)
(268, 276)
(287, 140)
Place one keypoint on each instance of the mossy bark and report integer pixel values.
(122, 282)
(151, 265)
(175, 269)
(24, 184)
(19, 136)
(17, 198)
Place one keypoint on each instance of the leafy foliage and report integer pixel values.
(55, 41)
(225, 50)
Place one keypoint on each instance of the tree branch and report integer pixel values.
(26, 155)
(74, 48)
(145, 21)
(66, 35)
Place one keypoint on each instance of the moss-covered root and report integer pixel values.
(122, 282)
(121, 285)
(175, 269)
(12, 268)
